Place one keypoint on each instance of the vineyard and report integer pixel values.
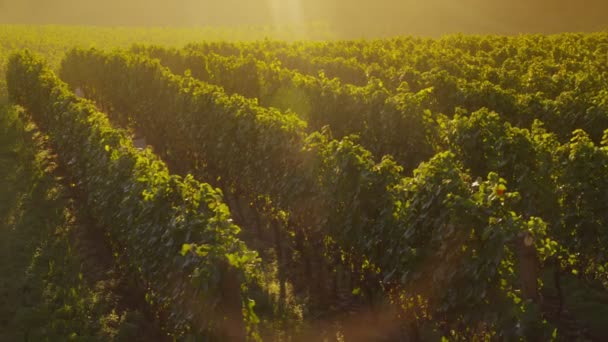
(402, 189)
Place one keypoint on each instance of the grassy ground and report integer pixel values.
(48, 291)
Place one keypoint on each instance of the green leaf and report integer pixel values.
(186, 248)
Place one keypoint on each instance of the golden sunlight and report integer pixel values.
(349, 18)
(285, 11)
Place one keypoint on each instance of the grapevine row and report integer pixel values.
(559, 80)
(175, 233)
(395, 125)
(437, 224)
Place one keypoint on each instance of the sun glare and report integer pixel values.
(285, 11)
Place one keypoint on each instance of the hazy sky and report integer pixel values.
(352, 17)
